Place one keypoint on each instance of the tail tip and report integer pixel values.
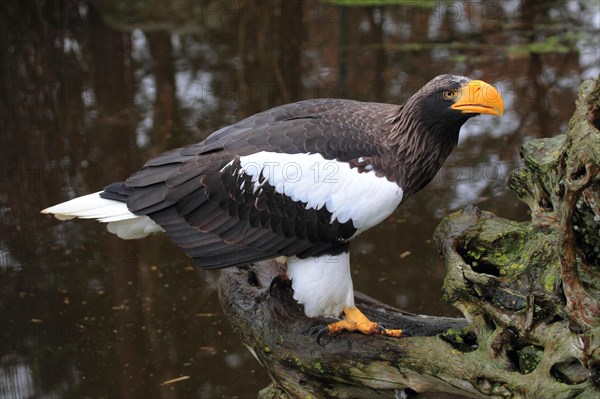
(59, 216)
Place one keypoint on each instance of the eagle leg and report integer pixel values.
(356, 321)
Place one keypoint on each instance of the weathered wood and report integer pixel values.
(283, 340)
(529, 290)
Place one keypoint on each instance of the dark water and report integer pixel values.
(90, 90)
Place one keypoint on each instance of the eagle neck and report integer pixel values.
(420, 147)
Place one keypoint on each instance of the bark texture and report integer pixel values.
(529, 292)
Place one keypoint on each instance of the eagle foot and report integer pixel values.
(356, 321)
(280, 281)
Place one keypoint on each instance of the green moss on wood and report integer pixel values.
(529, 358)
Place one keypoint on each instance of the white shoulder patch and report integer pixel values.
(317, 182)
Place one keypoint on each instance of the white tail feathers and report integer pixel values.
(120, 220)
(91, 206)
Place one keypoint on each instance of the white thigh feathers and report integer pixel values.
(323, 285)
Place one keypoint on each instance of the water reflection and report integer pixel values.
(91, 89)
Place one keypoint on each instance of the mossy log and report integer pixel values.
(529, 292)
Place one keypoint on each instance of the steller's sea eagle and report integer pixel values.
(300, 180)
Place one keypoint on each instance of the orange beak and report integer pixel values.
(478, 97)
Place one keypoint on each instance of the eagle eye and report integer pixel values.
(449, 94)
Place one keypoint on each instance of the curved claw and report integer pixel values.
(280, 279)
(323, 331)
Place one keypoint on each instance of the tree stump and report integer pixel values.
(529, 292)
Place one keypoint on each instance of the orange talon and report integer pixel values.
(356, 321)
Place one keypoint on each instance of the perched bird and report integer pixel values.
(300, 180)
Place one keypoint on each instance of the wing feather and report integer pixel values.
(221, 217)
